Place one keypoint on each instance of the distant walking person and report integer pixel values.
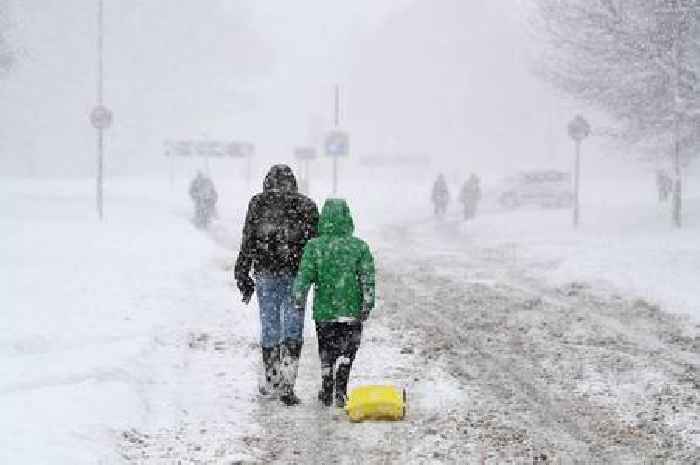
(204, 197)
(440, 195)
(470, 195)
(664, 184)
(278, 224)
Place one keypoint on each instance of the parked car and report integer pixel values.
(544, 188)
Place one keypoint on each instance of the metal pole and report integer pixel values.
(677, 186)
(100, 162)
(100, 140)
(337, 124)
(248, 170)
(172, 169)
(577, 176)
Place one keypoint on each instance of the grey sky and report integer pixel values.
(263, 70)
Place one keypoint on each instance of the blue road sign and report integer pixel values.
(337, 144)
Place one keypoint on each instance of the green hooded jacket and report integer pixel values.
(339, 265)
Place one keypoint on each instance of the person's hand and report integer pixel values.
(364, 314)
(299, 305)
(247, 286)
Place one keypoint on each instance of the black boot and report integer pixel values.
(325, 395)
(289, 369)
(271, 364)
(341, 381)
(349, 343)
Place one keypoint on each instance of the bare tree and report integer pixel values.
(7, 56)
(638, 60)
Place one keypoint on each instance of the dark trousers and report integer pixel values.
(337, 342)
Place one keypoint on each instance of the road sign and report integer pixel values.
(337, 144)
(305, 153)
(209, 149)
(579, 128)
(101, 117)
(178, 148)
(240, 149)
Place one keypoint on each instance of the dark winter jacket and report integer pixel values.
(278, 224)
(440, 194)
(471, 191)
(340, 267)
(202, 190)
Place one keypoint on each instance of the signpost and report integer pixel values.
(337, 142)
(100, 116)
(211, 149)
(578, 129)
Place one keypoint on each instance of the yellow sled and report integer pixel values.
(376, 403)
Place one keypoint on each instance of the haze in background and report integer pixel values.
(447, 79)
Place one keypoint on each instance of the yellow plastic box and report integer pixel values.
(376, 402)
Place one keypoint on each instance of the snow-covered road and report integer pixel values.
(499, 368)
(124, 343)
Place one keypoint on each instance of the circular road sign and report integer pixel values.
(579, 128)
(101, 117)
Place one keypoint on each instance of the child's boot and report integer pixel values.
(325, 395)
(341, 381)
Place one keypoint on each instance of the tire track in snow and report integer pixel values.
(512, 372)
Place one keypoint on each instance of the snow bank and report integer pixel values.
(86, 306)
(625, 241)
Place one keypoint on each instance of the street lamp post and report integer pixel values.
(337, 124)
(100, 116)
(579, 129)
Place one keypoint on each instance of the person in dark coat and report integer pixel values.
(279, 223)
(440, 195)
(204, 197)
(470, 195)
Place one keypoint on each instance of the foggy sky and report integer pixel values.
(447, 78)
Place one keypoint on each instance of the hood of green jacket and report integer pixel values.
(335, 219)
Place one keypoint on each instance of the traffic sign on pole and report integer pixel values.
(578, 129)
(101, 117)
(337, 144)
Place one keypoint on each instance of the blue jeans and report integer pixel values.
(279, 320)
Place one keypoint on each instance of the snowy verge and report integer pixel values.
(94, 314)
(629, 247)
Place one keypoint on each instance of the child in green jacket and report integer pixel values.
(341, 268)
